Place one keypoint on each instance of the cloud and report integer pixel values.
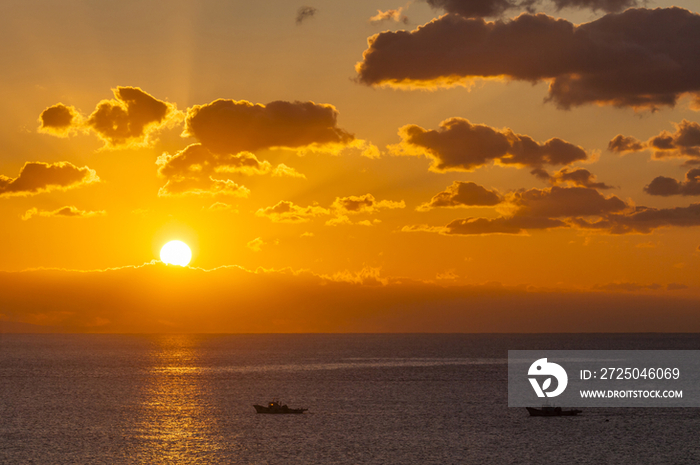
(665, 187)
(221, 206)
(256, 244)
(202, 186)
(64, 212)
(131, 119)
(155, 298)
(564, 202)
(363, 204)
(624, 144)
(283, 170)
(462, 146)
(305, 12)
(683, 143)
(197, 161)
(675, 287)
(287, 212)
(627, 287)
(230, 126)
(389, 15)
(630, 59)
(59, 120)
(644, 220)
(463, 194)
(501, 225)
(474, 8)
(535, 209)
(495, 8)
(569, 207)
(38, 177)
(196, 169)
(577, 177)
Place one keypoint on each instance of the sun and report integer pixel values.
(175, 253)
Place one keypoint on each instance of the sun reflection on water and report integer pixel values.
(177, 421)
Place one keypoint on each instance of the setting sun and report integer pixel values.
(175, 253)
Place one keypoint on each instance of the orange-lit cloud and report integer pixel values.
(221, 206)
(59, 120)
(202, 186)
(628, 59)
(37, 177)
(389, 15)
(196, 169)
(684, 142)
(665, 187)
(463, 194)
(287, 212)
(256, 244)
(64, 212)
(230, 126)
(462, 146)
(169, 299)
(283, 170)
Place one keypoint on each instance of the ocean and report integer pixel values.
(372, 398)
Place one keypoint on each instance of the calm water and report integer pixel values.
(372, 398)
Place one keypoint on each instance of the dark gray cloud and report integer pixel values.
(495, 8)
(579, 177)
(463, 194)
(684, 142)
(59, 120)
(534, 209)
(564, 202)
(462, 146)
(230, 126)
(501, 225)
(639, 58)
(131, 118)
(624, 144)
(644, 220)
(665, 187)
(304, 13)
(37, 177)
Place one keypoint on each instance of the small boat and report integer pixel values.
(276, 407)
(547, 411)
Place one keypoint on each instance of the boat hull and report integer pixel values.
(284, 410)
(552, 412)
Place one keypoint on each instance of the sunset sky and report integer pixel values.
(439, 165)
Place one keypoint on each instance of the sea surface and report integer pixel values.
(379, 398)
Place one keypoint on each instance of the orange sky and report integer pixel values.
(358, 167)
